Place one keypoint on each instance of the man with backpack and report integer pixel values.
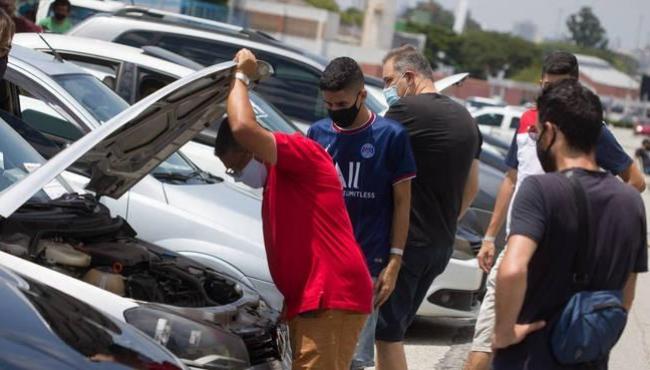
(549, 258)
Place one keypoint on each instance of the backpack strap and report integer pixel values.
(580, 275)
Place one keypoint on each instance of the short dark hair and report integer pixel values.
(340, 74)
(561, 63)
(576, 111)
(645, 141)
(225, 141)
(61, 3)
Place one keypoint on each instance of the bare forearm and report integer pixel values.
(240, 112)
(471, 188)
(633, 176)
(504, 197)
(510, 292)
(628, 292)
(401, 214)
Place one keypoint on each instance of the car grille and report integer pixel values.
(268, 346)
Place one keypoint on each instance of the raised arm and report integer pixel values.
(241, 116)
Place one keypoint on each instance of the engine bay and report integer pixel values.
(76, 235)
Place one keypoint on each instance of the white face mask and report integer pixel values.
(253, 175)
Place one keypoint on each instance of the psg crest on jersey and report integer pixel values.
(367, 151)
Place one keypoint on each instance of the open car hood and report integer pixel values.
(122, 151)
(449, 81)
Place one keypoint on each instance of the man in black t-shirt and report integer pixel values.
(534, 281)
(445, 142)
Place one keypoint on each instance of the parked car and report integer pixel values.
(43, 328)
(205, 217)
(476, 102)
(642, 127)
(499, 121)
(197, 241)
(200, 345)
(293, 89)
(74, 233)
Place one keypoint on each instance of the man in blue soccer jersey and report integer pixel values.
(375, 164)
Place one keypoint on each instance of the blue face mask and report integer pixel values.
(390, 93)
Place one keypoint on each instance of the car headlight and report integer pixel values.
(196, 343)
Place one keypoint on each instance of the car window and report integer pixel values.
(293, 89)
(93, 95)
(514, 122)
(47, 117)
(489, 119)
(150, 81)
(100, 68)
(77, 13)
(206, 52)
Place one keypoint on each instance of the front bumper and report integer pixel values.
(456, 292)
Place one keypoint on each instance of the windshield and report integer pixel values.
(269, 116)
(93, 95)
(18, 159)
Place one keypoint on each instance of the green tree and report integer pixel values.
(352, 17)
(330, 5)
(586, 30)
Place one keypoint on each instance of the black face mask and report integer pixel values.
(59, 17)
(3, 66)
(346, 116)
(546, 158)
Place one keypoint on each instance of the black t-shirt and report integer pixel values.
(445, 140)
(545, 211)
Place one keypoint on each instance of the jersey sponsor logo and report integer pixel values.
(368, 151)
(349, 178)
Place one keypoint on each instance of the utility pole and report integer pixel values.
(460, 16)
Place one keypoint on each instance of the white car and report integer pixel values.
(44, 328)
(165, 121)
(499, 121)
(224, 232)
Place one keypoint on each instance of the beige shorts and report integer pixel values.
(484, 328)
(325, 339)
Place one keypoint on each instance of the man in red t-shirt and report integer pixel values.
(313, 256)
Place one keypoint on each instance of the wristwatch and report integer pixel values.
(489, 239)
(241, 76)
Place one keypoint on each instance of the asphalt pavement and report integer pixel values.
(443, 344)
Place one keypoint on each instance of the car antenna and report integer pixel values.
(57, 56)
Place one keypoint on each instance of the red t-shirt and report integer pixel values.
(313, 256)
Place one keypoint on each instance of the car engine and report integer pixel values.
(76, 235)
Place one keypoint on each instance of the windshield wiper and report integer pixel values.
(184, 177)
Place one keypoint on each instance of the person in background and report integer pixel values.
(523, 162)
(536, 277)
(375, 163)
(445, 142)
(643, 155)
(22, 24)
(7, 30)
(312, 254)
(59, 21)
